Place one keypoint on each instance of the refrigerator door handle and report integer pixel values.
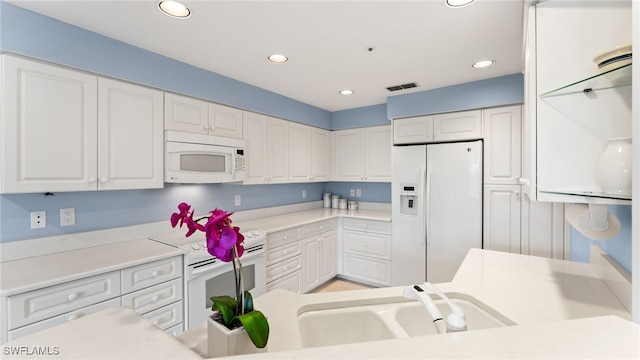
(427, 206)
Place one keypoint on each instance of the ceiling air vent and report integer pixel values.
(402, 87)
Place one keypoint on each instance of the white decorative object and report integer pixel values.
(593, 221)
(224, 342)
(613, 169)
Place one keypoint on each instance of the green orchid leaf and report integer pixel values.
(248, 302)
(226, 305)
(257, 327)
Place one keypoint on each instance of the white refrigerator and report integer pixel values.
(436, 210)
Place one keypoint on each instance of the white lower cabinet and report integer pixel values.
(302, 258)
(367, 251)
(152, 289)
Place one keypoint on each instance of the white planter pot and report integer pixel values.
(613, 169)
(224, 342)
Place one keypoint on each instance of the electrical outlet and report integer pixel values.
(358, 192)
(67, 217)
(38, 219)
(238, 200)
(352, 192)
(304, 194)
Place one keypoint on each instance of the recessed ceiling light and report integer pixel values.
(346, 92)
(174, 9)
(459, 3)
(483, 64)
(277, 58)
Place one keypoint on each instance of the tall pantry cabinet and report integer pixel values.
(66, 130)
(512, 222)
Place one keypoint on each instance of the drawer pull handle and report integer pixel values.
(155, 273)
(72, 297)
(73, 317)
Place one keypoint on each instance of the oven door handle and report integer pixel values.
(204, 269)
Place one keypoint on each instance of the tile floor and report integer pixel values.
(341, 285)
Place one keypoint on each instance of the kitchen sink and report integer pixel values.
(398, 318)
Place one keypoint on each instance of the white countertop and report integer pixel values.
(114, 333)
(563, 310)
(33, 273)
(275, 223)
(538, 294)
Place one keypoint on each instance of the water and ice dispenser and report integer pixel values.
(408, 199)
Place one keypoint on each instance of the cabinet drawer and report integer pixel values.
(61, 319)
(318, 227)
(41, 304)
(175, 330)
(167, 316)
(283, 237)
(368, 270)
(382, 227)
(145, 275)
(154, 297)
(283, 252)
(285, 267)
(291, 282)
(368, 244)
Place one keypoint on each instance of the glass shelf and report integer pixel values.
(607, 80)
(589, 194)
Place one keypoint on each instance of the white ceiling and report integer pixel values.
(326, 41)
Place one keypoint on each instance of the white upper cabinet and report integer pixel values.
(66, 130)
(363, 154)
(267, 149)
(309, 153)
(576, 108)
(413, 130)
(183, 113)
(463, 125)
(49, 127)
(130, 136)
(502, 145)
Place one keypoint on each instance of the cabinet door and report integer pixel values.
(349, 155)
(256, 144)
(49, 127)
(186, 114)
(299, 152)
(414, 130)
(310, 270)
(130, 141)
(377, 153)
(328, 255)
(464, 125)
(321, 155)
(278, 150)
(502, 154)
(225, 121)
(501, 228)
(543, 229)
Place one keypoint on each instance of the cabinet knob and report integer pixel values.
(103, 180)
(73, 317)
(156, 322)
(286, 237)
(155, 273)
(155, 298)
(72, 297)
(92, 180)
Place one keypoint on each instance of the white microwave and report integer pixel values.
(202, 159)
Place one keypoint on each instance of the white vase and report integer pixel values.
(224, 342)
(613, 169)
